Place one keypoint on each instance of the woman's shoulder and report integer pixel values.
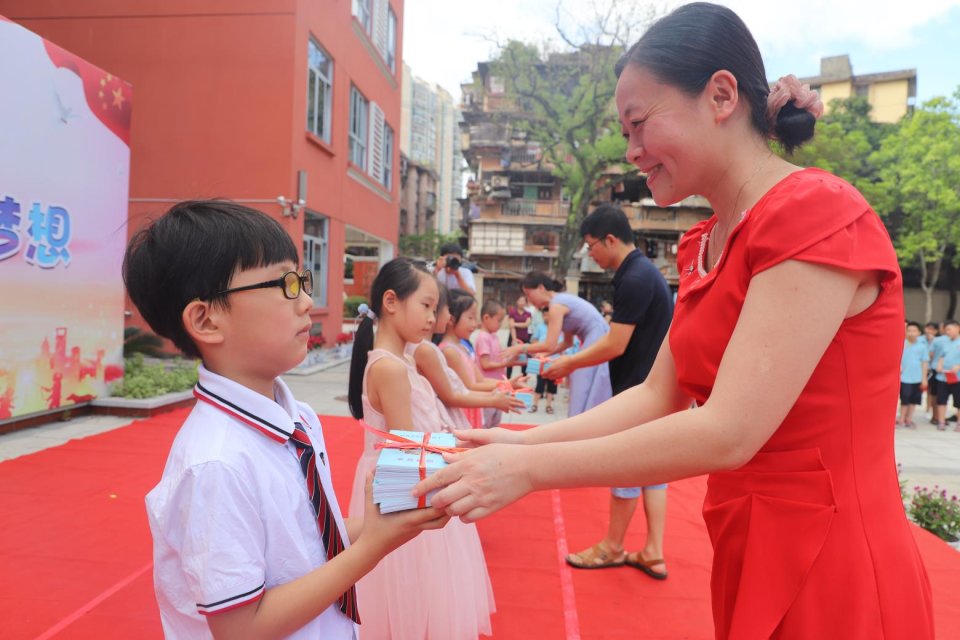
(811, 195)
(814, 214)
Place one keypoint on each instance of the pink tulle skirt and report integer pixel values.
(474, 416)
(435, 587)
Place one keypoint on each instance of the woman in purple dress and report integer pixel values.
(574, 316)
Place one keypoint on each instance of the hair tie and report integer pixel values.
(789, 88)
(365, 310)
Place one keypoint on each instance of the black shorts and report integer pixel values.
(945, 390)
(550, 386)
(910, 393)
(932, 384)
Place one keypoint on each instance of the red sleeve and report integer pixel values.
(817, 217)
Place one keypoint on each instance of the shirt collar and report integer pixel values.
(636, 254)
(274, 419)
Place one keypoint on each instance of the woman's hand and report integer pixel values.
(559, 368)
(479, 482)
(472, 438)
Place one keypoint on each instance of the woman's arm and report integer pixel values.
(791, 313)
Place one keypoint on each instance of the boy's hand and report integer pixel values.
(471, 438)
(386, 532)
(511, 353)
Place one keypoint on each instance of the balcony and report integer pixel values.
(535, 208)
(487, 134)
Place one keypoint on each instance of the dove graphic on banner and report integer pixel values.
(109, 97)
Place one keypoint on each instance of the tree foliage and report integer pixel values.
(919, 178)
(426, 245)
(563, 100)
(845, 138)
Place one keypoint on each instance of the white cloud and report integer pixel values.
(444, 39)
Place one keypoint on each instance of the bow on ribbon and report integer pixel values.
(399, 442)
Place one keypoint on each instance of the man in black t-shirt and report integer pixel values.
(642, 311)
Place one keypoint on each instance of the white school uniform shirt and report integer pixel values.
(231, 516)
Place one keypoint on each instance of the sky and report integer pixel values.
(445, 39)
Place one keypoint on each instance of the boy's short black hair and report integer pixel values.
(193, 251)
(451, 248)
(608, 220)
(911, 323)
(490, 308)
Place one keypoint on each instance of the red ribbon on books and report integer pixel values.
(399, 442)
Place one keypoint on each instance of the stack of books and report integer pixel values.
(398, 470)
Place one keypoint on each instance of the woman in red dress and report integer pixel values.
(787, 333)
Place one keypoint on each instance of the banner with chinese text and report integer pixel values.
(64, 177)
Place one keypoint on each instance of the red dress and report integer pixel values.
(810, 538)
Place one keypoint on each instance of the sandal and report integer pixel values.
(596, 557)
(636, 561)
(533, 409)
(549, 409)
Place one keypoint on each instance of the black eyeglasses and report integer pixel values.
(291, 282)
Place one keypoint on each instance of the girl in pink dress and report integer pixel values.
(462, 323)
(435, 586)
(454, 397)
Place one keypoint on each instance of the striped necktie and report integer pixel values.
(321, 507)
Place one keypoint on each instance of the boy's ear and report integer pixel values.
(202, 323)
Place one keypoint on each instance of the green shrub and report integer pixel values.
(350, 306)
(935, 512)
(143, 380)
(136, 340)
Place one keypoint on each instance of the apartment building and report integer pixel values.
(892, 94)
(516, 208)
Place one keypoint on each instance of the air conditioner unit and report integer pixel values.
(500, 182)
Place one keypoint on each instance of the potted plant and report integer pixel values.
(935, 512)
(344, 343)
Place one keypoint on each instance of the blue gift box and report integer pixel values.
(526, 397)
(533, 366)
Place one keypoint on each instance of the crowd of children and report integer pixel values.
(931, 364)
(421, 372)
(248, 535)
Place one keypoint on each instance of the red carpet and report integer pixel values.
(75, 550)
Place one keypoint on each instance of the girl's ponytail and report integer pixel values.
(362, 343)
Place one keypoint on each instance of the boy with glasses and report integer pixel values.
(248, 537)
